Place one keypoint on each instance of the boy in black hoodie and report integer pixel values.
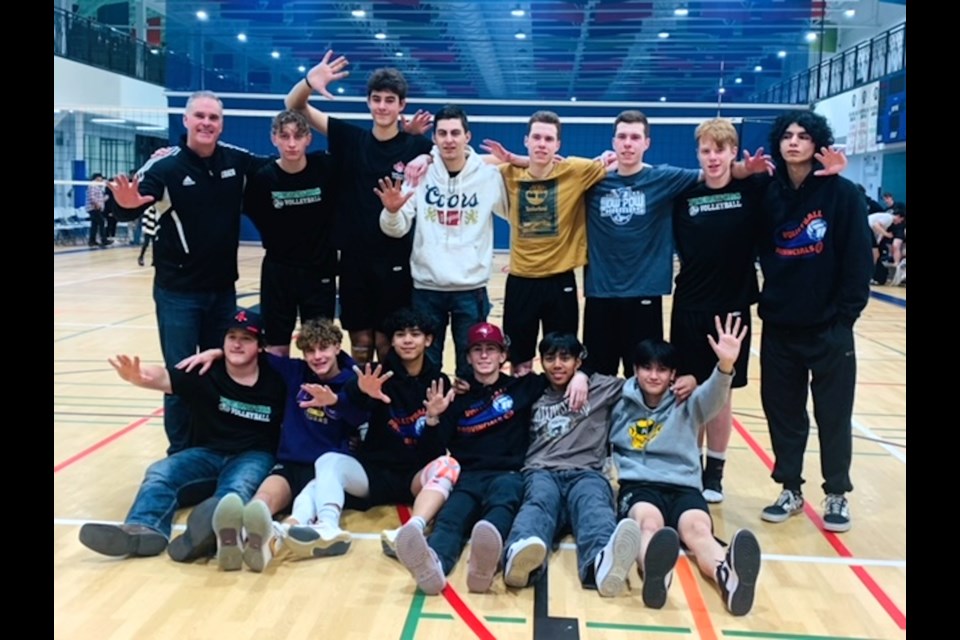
(816, 260)
(402, 459)
(487, 430)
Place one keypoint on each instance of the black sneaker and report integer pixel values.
(737, 575)
(712, 480)
(836, 513)
(122, 540)
(788, 503)
(658, 562)
(199, 540)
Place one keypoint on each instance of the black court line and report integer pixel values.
(546, 627)
(886, 297)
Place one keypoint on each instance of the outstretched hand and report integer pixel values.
(833, 160)
(204, 360)
(497, 150)
(126, 192)
(391, 194)
(129, 369)
(730, 336)
(320, 395)
(326, 72)
(437, 401)
(372, 383)
(419, 124)
(757, 163)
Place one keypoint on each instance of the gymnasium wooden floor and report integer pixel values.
(813, 584)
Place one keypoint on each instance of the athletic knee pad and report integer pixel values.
(440, 475)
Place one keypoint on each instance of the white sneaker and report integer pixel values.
(523, 558)
(258, 522)
(317, 541)
(388, 542)
(615, 559)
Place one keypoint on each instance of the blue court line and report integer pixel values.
(886, 297)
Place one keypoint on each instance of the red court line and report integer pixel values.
(899, 618)
(698, 608)
(451, 596)
(99, 445)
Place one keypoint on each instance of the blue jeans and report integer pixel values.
(198, 473)
(462, 309)
(188, 320)
(555, 500)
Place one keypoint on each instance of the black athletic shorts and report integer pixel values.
(672, 500)
(297, 475)
(287, 291)
(688, 334)
(370, 290)
(613, 327)
(529, 302)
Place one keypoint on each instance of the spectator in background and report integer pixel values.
(96, 201)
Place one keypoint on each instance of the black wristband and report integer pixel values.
(306, 81)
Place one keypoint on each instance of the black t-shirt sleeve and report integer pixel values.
(186, 385)
(343, 136)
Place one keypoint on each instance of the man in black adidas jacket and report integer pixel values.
(198, 192)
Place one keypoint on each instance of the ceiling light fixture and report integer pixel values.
(242, 37)
(520, 35)
(380, 35)
(781, 54)
(758, 68)
(810, 37)
(663, 35)
(682, 12)
(302, 69)
(275, 55)
(850, 13)
(663, 98)
(738, 80)
(517, 12)
(202, 15)
(358, 13)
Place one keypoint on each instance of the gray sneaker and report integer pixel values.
(228, 525)
(789, 503)
(523, 558)
(421, 561)
(486, 548)
(615, 559)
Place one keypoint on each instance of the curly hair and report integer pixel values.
(407, 318)
(813, 123)
(318, 332)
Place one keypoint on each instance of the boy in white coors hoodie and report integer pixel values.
(655, 448)
(452, 255)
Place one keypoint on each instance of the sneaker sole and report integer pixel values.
(626, 547)
(305, 542)
(523, 563)
(658, 561)
(835, 527)
(486, 547)
(766, 516)
(414, 553)
(259, 525)
(111, 540)
(712, 497)
(745, 565)
(227, 524)
(199, 540)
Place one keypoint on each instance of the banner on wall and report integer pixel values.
(892, 120)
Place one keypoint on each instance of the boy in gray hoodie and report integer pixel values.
(655, 448)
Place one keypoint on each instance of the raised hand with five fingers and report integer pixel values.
(326, 72)
(126, 192)
(319, 395)
(833, 160)
(730, 336)
(391, 194)
(757, 163)
(437, 401)
(497, 150)
(418, 124)
(371, 383)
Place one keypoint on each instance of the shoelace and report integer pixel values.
(835, 505)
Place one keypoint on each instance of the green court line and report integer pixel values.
(413, 615)
(784, 636)
(637, 627)
(426, 615)
(505, 619)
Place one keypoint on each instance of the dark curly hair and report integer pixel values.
(813, 123)
(408, 319)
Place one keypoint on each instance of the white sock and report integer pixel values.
(717, 455)
(417, 522)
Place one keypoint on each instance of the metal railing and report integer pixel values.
(99, 45)
(868, 61)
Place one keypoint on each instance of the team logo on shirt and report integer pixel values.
(245, 410)
(483, 415)
(643, 431)
(408, 427)
(621, 204)
(554, 421)
(283, 199)
(714, 202)
(803, 239)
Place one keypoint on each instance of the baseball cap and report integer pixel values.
(486, 332)
(248, 321)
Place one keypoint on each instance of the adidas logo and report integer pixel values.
(188, 182)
